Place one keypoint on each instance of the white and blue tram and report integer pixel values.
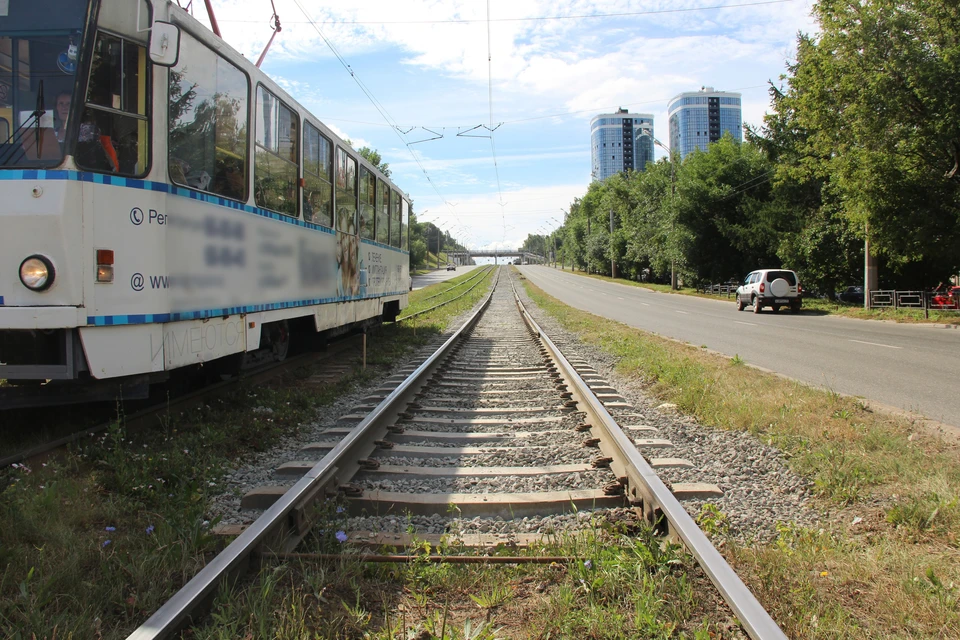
(163, 203)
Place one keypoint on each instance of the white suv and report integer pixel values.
(770, 288)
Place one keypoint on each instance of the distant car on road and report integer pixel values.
(773, 288)
(853, 295)
(451, 266)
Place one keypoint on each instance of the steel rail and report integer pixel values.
(658, 500)
(437, 306)
(355, 445)
(260, 372)
(481, 272)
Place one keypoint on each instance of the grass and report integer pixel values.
(815, 305)
(98, 538)
(618, 586)
(893, 573)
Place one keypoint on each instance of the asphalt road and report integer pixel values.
(911, 367)
(419, 282)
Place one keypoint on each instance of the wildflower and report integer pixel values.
(105, 543)
(824, 574)
(150, 530)
(109, 528)
(341, 536)
(587, 564)
(340, 509)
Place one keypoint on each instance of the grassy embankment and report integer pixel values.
(885, 562)
(814, 305)
(97, 538)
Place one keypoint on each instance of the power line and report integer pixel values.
(624, 14)
(373, 100)
(546, 117)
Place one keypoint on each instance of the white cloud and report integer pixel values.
(435, 74)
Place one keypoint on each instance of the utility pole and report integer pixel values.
(869, 269)
(613, 261)
(588, 241)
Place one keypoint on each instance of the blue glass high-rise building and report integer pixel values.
(698, 118)
(620, 141)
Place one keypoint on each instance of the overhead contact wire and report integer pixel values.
(381, 109)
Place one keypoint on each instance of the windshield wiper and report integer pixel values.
(13, 143)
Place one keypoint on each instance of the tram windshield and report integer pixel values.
(40, 43)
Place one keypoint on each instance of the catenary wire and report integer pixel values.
(586, 16)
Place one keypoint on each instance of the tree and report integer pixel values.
(723, 227)
(373, 157)
(875, 99)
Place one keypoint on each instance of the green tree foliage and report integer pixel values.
(873, 112)
(723, 225)
(373, 157)
(862, 141)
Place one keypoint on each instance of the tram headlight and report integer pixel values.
(37, 273)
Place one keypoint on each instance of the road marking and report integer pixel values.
(749, 324)
(683, 312)
(875, 344)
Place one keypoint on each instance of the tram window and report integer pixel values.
(275, 171)
(317, 170)
(113, 132)
(368, 201)
(383, 212)
(405, 227)
(395, 220)
(208, 122)
(346, 193)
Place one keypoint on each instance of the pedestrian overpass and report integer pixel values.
(526, 257)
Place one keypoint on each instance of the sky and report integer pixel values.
(482, 108)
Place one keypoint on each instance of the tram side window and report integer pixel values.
(317, 172)
(346, 193)
(113, 135)
(368, 198)
(276, 160)
(395, 220)
(405, 227)
(207, 142)
(383, 212)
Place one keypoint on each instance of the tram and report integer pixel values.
(165, 204)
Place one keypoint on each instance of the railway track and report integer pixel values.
(340, 356)
(337, 361)
(496, 426)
